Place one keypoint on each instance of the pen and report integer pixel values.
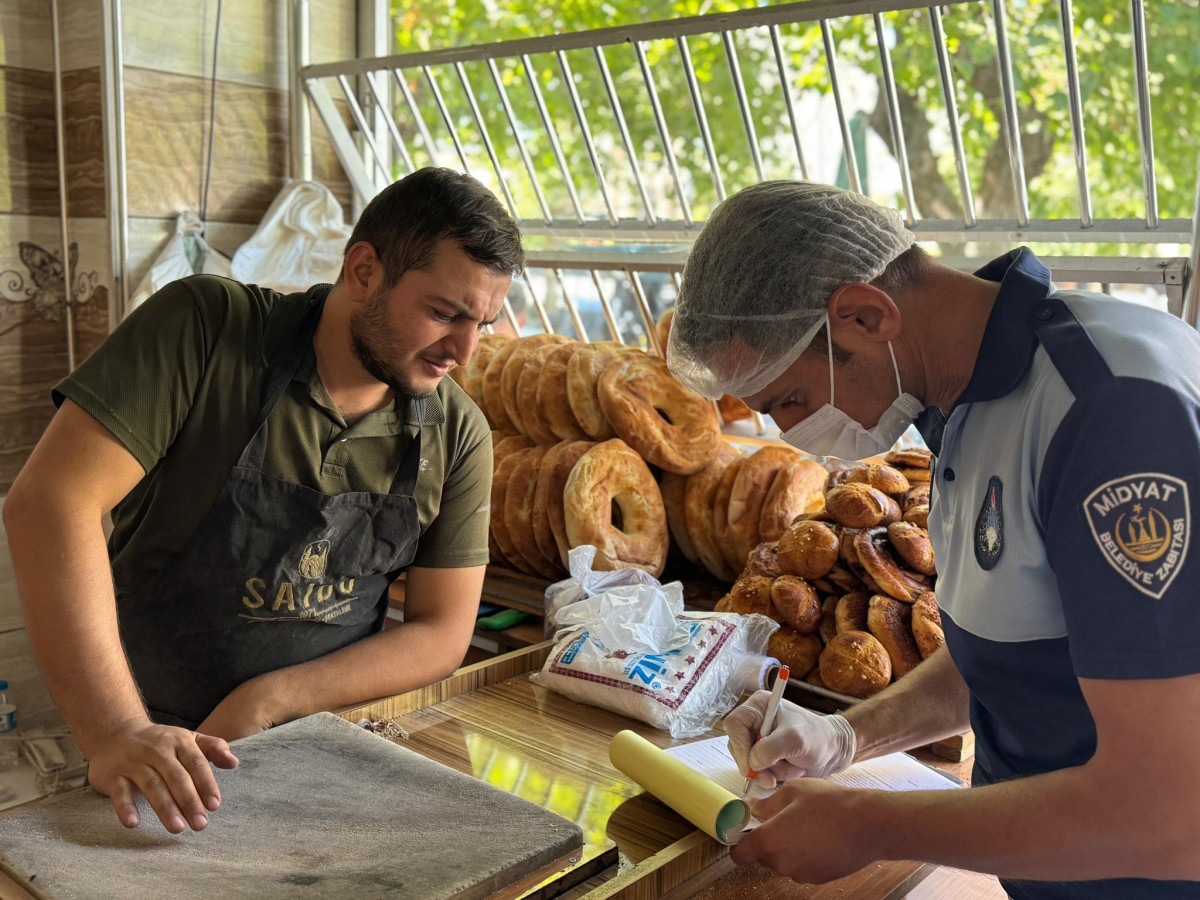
(768, 721)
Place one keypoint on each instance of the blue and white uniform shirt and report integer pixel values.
(1062, 520)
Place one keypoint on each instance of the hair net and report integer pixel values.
(759, 277)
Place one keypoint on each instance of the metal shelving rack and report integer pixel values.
(659, 209)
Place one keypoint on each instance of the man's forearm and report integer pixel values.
(439, 615)
(403, 658)
(65, 585)
(928, 704)
(1074, 824)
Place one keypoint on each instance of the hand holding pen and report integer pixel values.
(792, 741)
(768, 721)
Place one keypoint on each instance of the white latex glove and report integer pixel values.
(802, 743)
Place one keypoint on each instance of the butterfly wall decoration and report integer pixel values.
(45, 286)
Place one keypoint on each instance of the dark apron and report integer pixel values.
(276, 574)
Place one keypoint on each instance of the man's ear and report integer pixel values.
(862, 313)
(362, 271)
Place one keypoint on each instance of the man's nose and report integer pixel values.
(786, 418)
(461, 343)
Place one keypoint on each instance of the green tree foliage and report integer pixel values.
(1103, 37)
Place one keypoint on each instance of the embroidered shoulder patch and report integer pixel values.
(989, 526)
(1142, 524)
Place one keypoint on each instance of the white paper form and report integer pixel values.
(894, 772)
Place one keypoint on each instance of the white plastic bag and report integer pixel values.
(186, 253)
(633, 649)
(299, 242)
(585, 582)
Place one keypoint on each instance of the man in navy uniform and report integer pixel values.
(1065, 430)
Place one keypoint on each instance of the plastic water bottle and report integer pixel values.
(10, 751)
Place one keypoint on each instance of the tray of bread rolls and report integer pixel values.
(853, 583)
(853, 587)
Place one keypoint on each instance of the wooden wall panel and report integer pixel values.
(178, 38)
(84, 132)
(166, 125)
(33, 344)
(25, 35)
(28, 173)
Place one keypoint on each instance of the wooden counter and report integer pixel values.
(491, 721)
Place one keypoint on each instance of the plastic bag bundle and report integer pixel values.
(299, 242)
(585, 583)
(186, 253)
(632, 649)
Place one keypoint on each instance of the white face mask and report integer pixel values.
(830, 432)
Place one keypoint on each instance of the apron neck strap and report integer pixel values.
(409, 469)
(285, 363)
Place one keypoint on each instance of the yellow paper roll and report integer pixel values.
(708, 806)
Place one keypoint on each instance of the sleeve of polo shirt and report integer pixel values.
(140, 382)
(458, 537)
(1116, 494)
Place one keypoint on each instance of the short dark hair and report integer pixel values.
(820, 346)
(904, 271)
(408, 219)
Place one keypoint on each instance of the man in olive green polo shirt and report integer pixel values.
(272, 463)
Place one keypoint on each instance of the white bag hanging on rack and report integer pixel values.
(186, 253)
(299, 242)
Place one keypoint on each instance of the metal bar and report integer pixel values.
(1145, 132)
(1075, 104)
(572, 309)
(847, 141)
(1115, 270)
(739, 89)
(537, 304)
(343, 143)
(551, 132)
(511, 316)
(895, 123)
(422, 128)
(639, 294)
(1123, 231)
(61, 159)
(607, 307)
(760, 424)
(667, 29)
(960, 159)
(1191, 285)
(785, 82)
(577, 105)
(357, 114)
(382, 102)
(1175, 299)
(615, 102)
(661, 121)
(606, 260)
(446, 117)
(521, 148)
(487, 139)
(689, 71)
(1012, 125)
(376, 38)
(117, 195)
(300, 164)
